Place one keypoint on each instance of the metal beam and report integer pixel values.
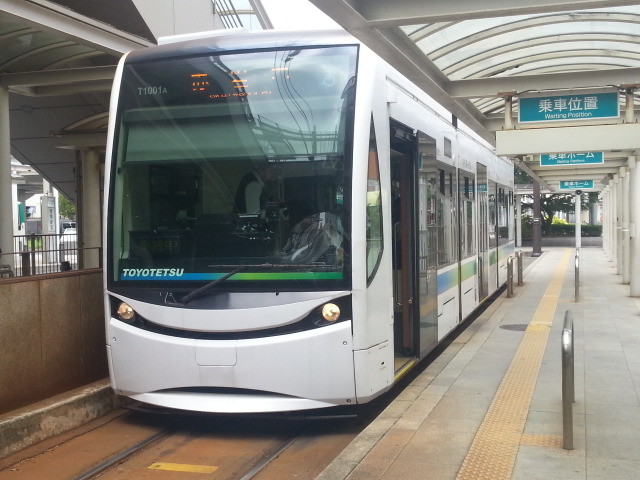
(474, 39)
(575, 175)
(592, 58)
(410, 12)
(525, 168)
(261, 14)
(612, 163)
(588, 138)
(101, 86)
(497, 86)
(596, 177)
(55, 77)
(51, 17)
(554, 182)
(83, 141)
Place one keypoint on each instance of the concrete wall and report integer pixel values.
(51, 336)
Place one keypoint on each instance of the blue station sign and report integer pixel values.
(560, 159)
(576, 184)
(568, 106)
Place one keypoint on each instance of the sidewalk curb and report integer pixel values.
(29, 425)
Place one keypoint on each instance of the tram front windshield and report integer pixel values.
(234, 162)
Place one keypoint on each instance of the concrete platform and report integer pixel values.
(29, 425)
(490, 407)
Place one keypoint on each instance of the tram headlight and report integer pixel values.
(331, 312)
(125, 312)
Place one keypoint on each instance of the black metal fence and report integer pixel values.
(42, 254)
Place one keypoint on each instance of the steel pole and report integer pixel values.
(6, 198)
(568, 387)
(537, 221)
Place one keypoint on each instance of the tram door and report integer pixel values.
(413, 220)
(427, 242)
(483, 233)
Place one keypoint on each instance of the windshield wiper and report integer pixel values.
(199, 291)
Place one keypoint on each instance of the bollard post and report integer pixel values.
(577, 276)
(568, 386)
(509, 277)
(520, 266)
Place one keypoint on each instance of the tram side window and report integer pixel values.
(374, 208)
(492, 214)
(467, 200)
(505, 210)
(511, 216)
(446, 218)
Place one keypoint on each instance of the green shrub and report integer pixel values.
(569, 230)
(589, 230)
(561, 229)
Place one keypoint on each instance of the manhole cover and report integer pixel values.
(519, 327)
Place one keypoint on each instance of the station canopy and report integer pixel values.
(474, 56)
(58, 59)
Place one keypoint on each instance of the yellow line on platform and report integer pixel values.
(494, 449)
(405, 368)
(182, 467)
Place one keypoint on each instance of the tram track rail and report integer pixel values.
(122, 456)
(262, 464)
(261, 446)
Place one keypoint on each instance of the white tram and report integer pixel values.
(376, 226)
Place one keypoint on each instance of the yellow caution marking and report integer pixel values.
(182, 467)
(408, 366)
(541, 440)
(494, 449)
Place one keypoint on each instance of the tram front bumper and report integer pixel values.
(309, 369)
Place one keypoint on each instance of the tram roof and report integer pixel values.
(225, 41)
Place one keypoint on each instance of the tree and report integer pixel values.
(67, 209)
(551, 203)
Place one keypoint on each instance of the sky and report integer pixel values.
(296, 14)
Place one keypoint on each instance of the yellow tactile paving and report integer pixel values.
(541, 440)
(493, 452)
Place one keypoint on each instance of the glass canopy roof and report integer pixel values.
(547, 43)
(472, 55)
